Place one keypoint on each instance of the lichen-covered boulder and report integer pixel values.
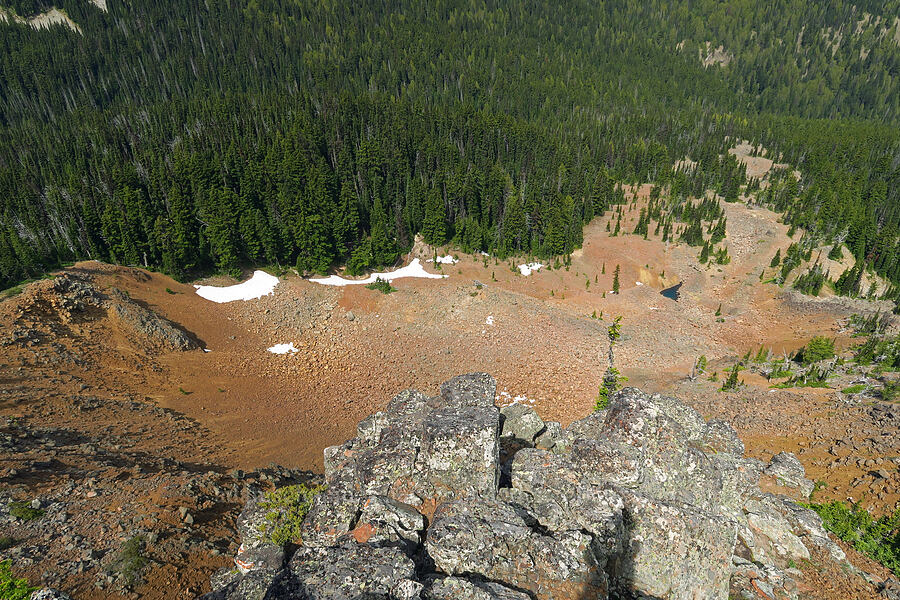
(49, 594)
(474, 389)
(789, 472)
(720, 437)
(351, 571)
(673, 552)
(488, 538)
(552, 433)
(332, 515)
(456, 588)
(520, 423)
(256, 585)
(460, 453)
(251, 523)
(386, 522)
(558, 498)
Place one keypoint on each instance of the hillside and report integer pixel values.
(231, 232)
(116, 408)
(503, 128)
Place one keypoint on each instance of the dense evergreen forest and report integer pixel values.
(201, 136)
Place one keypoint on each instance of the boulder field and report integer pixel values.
(453, 498)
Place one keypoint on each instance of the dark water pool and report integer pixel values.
(672, 292)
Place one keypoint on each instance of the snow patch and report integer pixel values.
(506, 399)
(413, 269)
(489, 320)
(261, 284)
(445, 260)
(283, 348)
(529, 268)
(638, 283)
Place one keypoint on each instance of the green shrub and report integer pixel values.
(732, 383)
(890, 392)
(23, 510)
(285, 509)
(854, 389)
(818, 348)
(382, 286)
(12, 588)
(878, 539)
(6, 542)
(130, 561)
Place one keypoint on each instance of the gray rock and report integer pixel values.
(521, 423)
(642, 448)
(265, 557)
(589, 427)
(386, 522)
(692, 424)
(259, 585)
(251, 523)
(460, 452)
(474, 389)
(351, 571)
(556, 496)
(789, 472)
(673, 552)
(147, 326)
(489, 538)
(642, 499)
(49, 594)
(332, 515)
(768, 534)
(552, 433)
(455, 588)
(720, 437)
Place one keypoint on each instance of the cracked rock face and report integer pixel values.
(448, 498)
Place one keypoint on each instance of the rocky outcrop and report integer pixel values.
(146, 326)
(451, 497)
(73, 297)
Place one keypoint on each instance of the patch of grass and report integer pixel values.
(170, 291)
(12, 292)
(184, 391)
(24, 511)
(382, 286)
(854, 389)
(878, 539)
(130, 561)
(7, 543)
(11, 587)
(285, 509)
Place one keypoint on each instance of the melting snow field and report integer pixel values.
(413, 269)
(261, 284)
(529, 268)
(283, 348)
